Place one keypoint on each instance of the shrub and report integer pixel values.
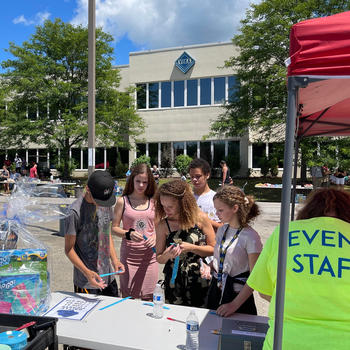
(234, 163)
(264, 166)
(182, 162)
(120, 168)
(142, 159)
(273, 167)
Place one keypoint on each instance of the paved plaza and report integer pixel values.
(61, 267)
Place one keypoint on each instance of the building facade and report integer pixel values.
(179, 92)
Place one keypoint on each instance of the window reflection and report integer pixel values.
(219, 90)
(166, 94)
(205, 91)
(153, 95)
(192, 99)
(179, 88)
(141, 96)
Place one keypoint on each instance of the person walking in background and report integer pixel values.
(156, 174)
(136, 210)
(199, 170)
(184, 236)
(225, 174)
(236, 250)
(88, 240)
(5, 176)
(33, 172)
(317, 298)
(18, 163)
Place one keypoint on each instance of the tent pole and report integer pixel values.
(293, 85)
(294, 190)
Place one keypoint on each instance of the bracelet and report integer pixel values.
(127, 234)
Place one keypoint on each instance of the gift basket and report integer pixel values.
(24, 263)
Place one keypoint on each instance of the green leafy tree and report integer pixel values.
(46, 89)
(142, 159)
(182, 162)
(260, 96)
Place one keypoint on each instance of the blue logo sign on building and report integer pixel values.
(185, 62)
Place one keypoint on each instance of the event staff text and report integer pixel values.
(314, 263)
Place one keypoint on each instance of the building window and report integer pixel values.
(140, 149)
(219, 153)
(219, 90)
(259, 154)
(178, 148)
(205, 151)
(179, 89)
(192, 96)
(166, 94)
(166, 160)
(276, 150)
(31, 156)
(231, 87)
(76, 156)
(153, 95)
(99, 158)
(141, 96)
(205, 95)
(153, 153)
(191, 149)
(85, 158)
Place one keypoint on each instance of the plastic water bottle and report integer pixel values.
(158, 301)
(192, 331)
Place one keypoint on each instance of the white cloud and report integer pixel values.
(165, 23)
(38, 19)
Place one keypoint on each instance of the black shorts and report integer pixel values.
(110, 291)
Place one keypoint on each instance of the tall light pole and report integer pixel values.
(91, 85)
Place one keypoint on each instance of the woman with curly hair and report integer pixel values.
(184, 235)
(317, 298)
(236, 250)
(136, 210)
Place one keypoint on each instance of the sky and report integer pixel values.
(135, 25)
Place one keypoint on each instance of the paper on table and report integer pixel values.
(73, 308)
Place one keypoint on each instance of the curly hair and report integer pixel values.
(326, 202)
(188, 209)
(201, 164)
(138, 169)
(247, 208)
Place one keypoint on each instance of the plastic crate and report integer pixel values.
(42, 335)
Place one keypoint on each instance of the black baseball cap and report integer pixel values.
(101, 186)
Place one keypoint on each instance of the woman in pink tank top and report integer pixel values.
(135, 209)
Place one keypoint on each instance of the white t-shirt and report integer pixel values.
(206, 204)
(236, 259)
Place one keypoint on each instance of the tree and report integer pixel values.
(260, 95)
(182, 162)
(46, 85)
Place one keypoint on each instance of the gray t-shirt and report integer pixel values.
(91, 226)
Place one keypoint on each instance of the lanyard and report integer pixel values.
(222, 252)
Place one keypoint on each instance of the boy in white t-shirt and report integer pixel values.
(199, 170)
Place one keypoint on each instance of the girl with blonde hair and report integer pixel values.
(184, 236)
(236, 250)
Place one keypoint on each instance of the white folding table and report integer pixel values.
(129, 325)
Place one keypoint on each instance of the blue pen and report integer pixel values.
(117, 302)
(151, 304)
(111, 273)
(145, 237)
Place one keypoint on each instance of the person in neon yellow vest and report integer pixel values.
(317, 294)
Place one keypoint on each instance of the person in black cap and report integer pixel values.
(88, 241)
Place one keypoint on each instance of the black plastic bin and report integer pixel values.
(42, 335)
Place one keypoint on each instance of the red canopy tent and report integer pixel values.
(318, 104)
